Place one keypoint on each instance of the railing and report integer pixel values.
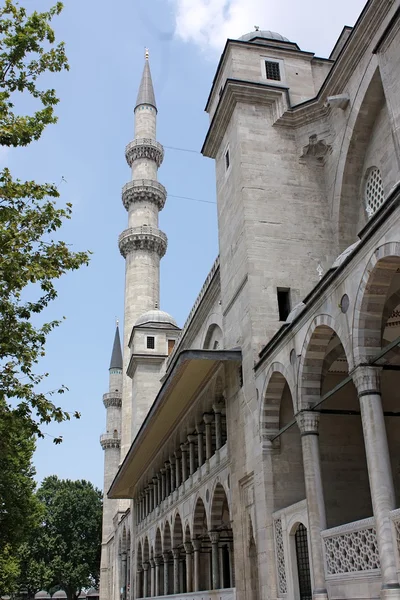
(351, 548)
(395, 516)
(225, 594)
(143, 230)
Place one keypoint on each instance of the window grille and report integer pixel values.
(303, 563)
(150, 343)
(272, 70)
(373, 195)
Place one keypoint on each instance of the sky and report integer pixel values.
(84, 154)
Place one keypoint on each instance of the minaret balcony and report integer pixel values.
(142, 238)
(144, 148)
(112, 399)
(144, 190)
(110, 440)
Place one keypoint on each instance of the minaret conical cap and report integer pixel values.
(146, 90)
(116, 356)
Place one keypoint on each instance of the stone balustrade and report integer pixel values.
(112, 399)
(351, 548)
(144, 148)
(144, 190)
(143, 237)
(110, 440)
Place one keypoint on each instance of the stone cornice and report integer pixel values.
(236, 90)
(108, 440)
(144, 148)
(144, 190)
(112, 399)
(142, 238)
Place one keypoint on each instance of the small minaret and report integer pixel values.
(111, 442)
(142, 244)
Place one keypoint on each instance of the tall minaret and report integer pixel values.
(111, 442)
(142, 244)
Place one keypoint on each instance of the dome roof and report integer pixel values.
(92, 592)
(268, 35)
(42, 594)
(156, 317)
(342, 257)
(60, 594)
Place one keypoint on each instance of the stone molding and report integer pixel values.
(107, 440)
(144, 190)
(143, 238)
(367, 380)
(144, 148)
(112, 399)
(308, 422)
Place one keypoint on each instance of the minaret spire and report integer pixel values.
(146, 91)
(116, 356)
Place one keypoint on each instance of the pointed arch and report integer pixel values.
(177, 532)
(200, 522)
(276, 380)
(220, 512)
(167, 537)
(146, 550)
(158, 543)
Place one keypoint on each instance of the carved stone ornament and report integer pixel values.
(113, 399)
(144, 190)
(316, 148)
(308, 422)
(142, 238)
(144, 148)
(108, 440)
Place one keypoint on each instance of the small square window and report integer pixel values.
(150, 342)
(283, 295)
(272, 70)
(227, 160)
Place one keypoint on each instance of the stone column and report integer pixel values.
(177, 469)
(123, 574)
(166, 577)
(208, 419)
(176, 554)
(147, 502)
(157, 561)
(196, 564)
(189, 563)
(367, 382)
(155, 502)
(214, 537)
(218, 426)
(151, 497)
(172, 461)
(146, 580)
(231, 564)
(162, 484)
(200, 443)
(192, 439)
(139, 589)
(167, 478)
(152, 577)
(141, 507)
(158, 489)
(184, 462)
(308, 424)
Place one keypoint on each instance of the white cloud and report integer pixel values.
(208, 23)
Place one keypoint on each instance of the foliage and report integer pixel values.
(31, 259)
(70, 533)
(20, 510)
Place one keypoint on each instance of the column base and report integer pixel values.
(391, 593)
(320, 595)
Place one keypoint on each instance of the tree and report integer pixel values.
(69, 536)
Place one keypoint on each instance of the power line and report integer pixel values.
(194, 199)
(182, 149)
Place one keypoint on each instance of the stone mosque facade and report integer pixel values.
(255, 453)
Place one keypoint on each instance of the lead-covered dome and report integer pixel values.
(268, 35)
(156, 317)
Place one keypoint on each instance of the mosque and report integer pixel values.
(254, 454)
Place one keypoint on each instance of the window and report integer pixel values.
(227, 160)
(150, 342)
(373, 191)
(283, 295)
(303, 563)
(171, 344)
(272, 70)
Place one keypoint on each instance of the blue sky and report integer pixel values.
(105, 46)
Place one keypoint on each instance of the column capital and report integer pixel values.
(152, 562)
(162, 471)
(208, 418)
(199, 428)
(167, 465)
(367, 380)
(308, 421)
(165, 556)
(192, 438)
(184, 447)
(158, 476)
(155, 479)
(172, 460)
(158, 560)
(196, 544)
(146, 566)
(176, 552)
(219, 408)
(188, 547)
(150, 485)
(177, 454)
(139, 570)
(214, 536)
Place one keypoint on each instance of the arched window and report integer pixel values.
(303, 563)
(374, 196)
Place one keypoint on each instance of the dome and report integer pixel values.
(295, 311)
(60, 594)
(268, 35)
(92, 592)
(342, 257)
(42, 594)
(156, 317)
